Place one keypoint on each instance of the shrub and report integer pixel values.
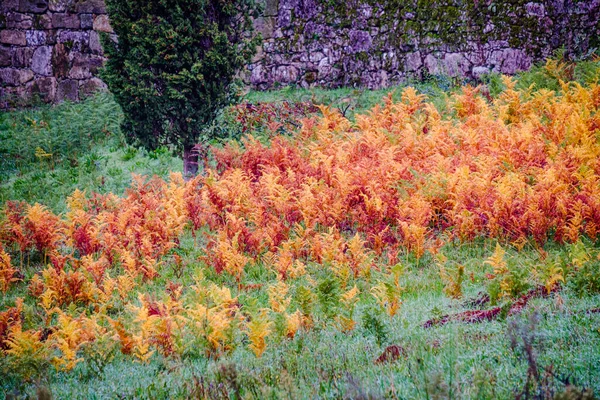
(173, 67)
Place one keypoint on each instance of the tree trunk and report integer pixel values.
(190, 162)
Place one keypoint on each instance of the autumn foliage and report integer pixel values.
(349, 197)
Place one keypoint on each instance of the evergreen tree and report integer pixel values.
(173, 65)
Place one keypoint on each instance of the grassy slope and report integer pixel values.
(453, 361)
(47, 153)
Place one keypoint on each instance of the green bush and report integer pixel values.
(174, 66)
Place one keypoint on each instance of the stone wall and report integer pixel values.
(50, 49)
(352, 43)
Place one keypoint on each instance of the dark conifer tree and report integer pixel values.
(173, 65)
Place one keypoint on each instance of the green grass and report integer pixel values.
(48, 152)
(461, 361)
(78, 146)
(455, 361)
(352, 101)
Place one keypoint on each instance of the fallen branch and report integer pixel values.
(474, 316)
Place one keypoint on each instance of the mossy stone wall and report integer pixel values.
(50, 49)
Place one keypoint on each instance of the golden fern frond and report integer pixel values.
(278, 296)
(497, 260)
(258, 329)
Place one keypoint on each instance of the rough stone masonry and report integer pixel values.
(50, 49)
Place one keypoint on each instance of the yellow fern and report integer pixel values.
(258, 329)
(278, 296)
(293, 322)
(7, 272)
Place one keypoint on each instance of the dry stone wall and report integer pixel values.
(50, 49)
(354, 43)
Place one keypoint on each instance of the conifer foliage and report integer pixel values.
(173, 65)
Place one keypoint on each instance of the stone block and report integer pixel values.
(16, 38)
(15, 20)
(265, 26)
(15, 77)
(258, 75)
(101, 24)
(80, 67)
(67, 90)
(45, 88)
(360, 41)
(33, 6)
(316, 57)
(307, 9)
(95, 43)
(41, 63)
(433, 65)
(284, 19)
(365, 12)
(43, 21)
(271, 8)
(286, 74)
(35, 38)
(91, 6)
(6, 55)
(479, 71)
(9, 5)
(59, 5)
(51, 36)
(535, 9)
(90, 87)
(94, 63)
(509, 61)
(60, 61)
(259, 55)
(22, 57)
(67, 21)
(24, 76)
(455, 64)
(413, 62)
(324, 67)
(87, 21)
(74, 40)
(16, 97)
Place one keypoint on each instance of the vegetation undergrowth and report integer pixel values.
(48, 152)
(413, 251)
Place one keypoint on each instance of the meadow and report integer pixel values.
(436, 240)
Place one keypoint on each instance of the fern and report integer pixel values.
(328, 294)
(28, 356)
(346, 316)
(373, 324)
(305, 299)
(8, 274)
(259, 327)
(278, 297)
(452, 279)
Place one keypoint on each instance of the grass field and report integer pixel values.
(437, 243)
